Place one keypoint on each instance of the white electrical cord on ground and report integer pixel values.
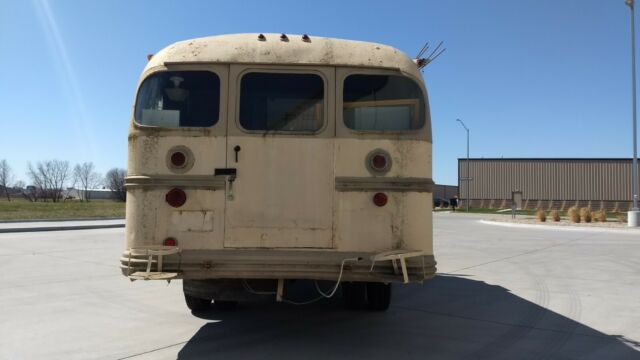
(322, 293)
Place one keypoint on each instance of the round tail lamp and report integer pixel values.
(170, 242)
(378, 162)
(176, 197)
(380, 199)
(178, 159)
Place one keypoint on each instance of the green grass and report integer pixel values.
(20, 209)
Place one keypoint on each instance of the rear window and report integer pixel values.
(179, 99)
(382, 103)
(281, 102)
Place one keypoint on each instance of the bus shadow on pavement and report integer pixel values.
(446, 318)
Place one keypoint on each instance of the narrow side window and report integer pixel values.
(174, 99)
(382, 103)
(281, 102)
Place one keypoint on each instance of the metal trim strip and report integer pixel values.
(198, 181)
(345, 183)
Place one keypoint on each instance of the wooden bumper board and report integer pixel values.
(232, 264)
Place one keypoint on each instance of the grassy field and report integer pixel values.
(20, 209)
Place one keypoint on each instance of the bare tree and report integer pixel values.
(49, 178)
(115, 182)
(5, 177)
(86, 178)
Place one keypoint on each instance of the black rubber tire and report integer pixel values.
(354, 295)
(378, 296)
(225, 305)
(196, 304)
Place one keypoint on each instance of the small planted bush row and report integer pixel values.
(575, 215)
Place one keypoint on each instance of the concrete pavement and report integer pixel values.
(502, 293)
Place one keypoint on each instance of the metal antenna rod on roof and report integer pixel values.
(423, 50)
(434, 51)
(422, 62)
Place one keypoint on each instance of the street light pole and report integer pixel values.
(633, 215)
(468, 174)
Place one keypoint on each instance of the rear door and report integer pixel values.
(280, 141)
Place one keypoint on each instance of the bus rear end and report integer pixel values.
(244, 177)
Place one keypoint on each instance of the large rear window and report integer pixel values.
(382, 103)
(174, 99)
(281, 102)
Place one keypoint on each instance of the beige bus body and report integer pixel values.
(299, 203)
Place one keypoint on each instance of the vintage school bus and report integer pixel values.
(258, 159)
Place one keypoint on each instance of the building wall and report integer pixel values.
(444, 191)
(548, 179)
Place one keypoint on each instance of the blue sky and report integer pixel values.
(530, 78)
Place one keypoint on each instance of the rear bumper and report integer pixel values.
(283, 264)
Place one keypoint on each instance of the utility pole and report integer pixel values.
(468, 178)
(633, 216)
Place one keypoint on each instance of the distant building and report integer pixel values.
(93, 194)
(445, 192)
(548, 183)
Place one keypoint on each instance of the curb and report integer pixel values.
(61, 228)
(562, 227)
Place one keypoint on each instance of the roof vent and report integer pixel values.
(261, 37)
(284, 37)
(306, 38)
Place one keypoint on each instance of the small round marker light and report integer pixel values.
(380, 199)
(176, 197)
(170, 242)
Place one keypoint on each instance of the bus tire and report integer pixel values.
(225, 305)
(354, 295)
(196, 304)
(378, 296)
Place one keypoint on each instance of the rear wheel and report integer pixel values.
(378, 296)
(196, 304)
(354, 294)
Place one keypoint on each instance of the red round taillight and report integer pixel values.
(178, 159)
(380, 199)
(176, 197)
(170, 242)
(379, 162)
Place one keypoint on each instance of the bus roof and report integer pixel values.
(248, 49)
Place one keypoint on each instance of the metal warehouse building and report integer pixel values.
(548, 183)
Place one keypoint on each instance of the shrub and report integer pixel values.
(573, 214)
(555, 215)
(542, 217)
(603, 215)
(585, 214)
(600, 215)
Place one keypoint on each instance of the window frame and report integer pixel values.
(342, 130)
(284, 70)
(218, 127)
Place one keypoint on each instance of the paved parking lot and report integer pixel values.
(510, 293)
